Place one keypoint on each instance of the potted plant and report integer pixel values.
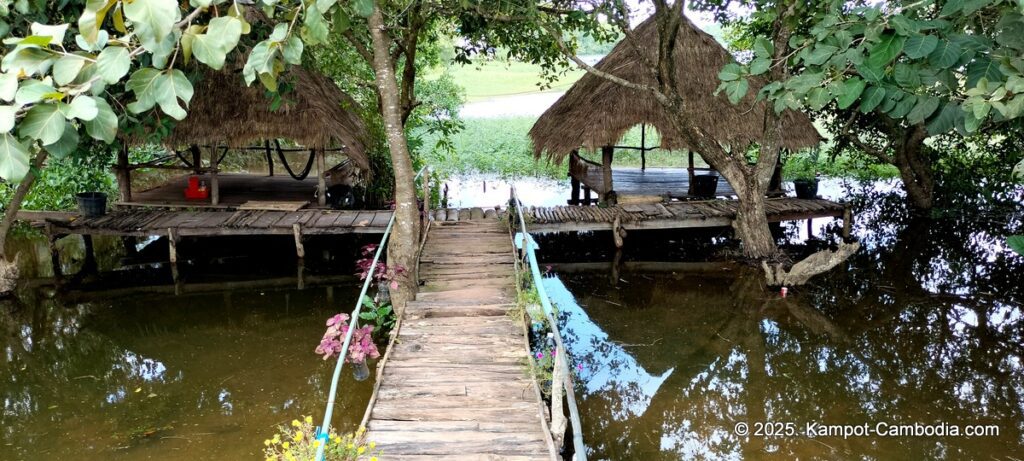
(805, 175)
(91, 204)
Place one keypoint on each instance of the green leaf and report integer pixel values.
(212, 47)
(92, 17)
(261, 60)
(820, 54)
(7, 116)
(143, 84)
(925, 106)
(82, 107)
(903, 107)
(104, 126)
(1012, 108)
(172, 86)
(56, 33)
(945, 55)
(292, 50)
(66, 69)
(920, 46)
(817, 98)
(27, 60)
(906, 76)
(363, 8)
(67, 143)
(951, 7)
(32, 91)
(971, 6)
(871, 74)
(314, 26)
(983, 68)
(13, 159)
(904, 25)
(888, 47)
(1016, 243)
(851, 91)
(153, 20)
(730, 72)
(113, 63)
(873, 96)
(8, 86)
(759, 66)
(737, 89)
(946, 120)
(44, 122)
(804, 82)
(763, 48)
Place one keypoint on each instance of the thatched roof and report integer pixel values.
(315, 113)
(596, 112)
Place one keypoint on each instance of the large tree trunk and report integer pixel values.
(405, 235)
(751, 185)
(8, 268)
(915, 169)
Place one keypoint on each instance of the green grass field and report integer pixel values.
(487, 79)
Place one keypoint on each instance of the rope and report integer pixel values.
(288, 168)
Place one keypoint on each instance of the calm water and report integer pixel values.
(925, 325)
(146, 374)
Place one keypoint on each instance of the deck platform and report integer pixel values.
(455, 384)
(673, 215)
(236, 189)
(671, 182)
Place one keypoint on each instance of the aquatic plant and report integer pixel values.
(381, 271)
(381, 313)
(298, 441)
(361, 347)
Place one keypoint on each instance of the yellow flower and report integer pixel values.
(276, 440)
(289, 456)
(286, 445)
(362, 450)
(361, 430)
(266, 442)
(350, 445)
(373, 458)
(271, 458)
(296, 423)
(309, 420)
(373, 445)
(298, 436)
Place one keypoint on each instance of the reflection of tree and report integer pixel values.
(923, 326)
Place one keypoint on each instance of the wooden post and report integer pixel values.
(124, 175)
(270, 158)
(775, 185)
(810, 228)
(574, 197)
(321, 182)
(172, 245)
(58, 271)
(300, 250)
(690, 173)
(130, 245)
(197, 159)
(214, 186)
(89, 264)
(643, 147)
(847, 222)
(607, 152)
(300, 275)
(617, 233)
(558, 420)
(586, 195)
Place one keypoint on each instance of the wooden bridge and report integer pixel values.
(455, 384)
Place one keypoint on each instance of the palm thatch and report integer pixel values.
(314, 113)
(596, 112)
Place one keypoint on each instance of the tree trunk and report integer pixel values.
(402, 246)
(8, 267)
(915, 169)
(751, 223)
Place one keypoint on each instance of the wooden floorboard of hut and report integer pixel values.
(652, 181)
(455, 385)
(236, 189)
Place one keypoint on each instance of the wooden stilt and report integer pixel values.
(616, 262)
(574, 193)
(775, 185)
(847, 222)
(197, 158)
(270, 158)
(58, 270)
(89, 264)
(810, 228)
(321, 182)
(300, 251)
(300, 275)
(690, 172)
(124, 175)
(586, 195)
(617, 233)
(607, 153)
(214, 186)
(643, 147)
(172, 245)
(330, 296)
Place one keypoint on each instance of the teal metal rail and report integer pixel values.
(325, 428)
(530, 247)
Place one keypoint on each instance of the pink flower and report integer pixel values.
(540, 355)
(337, 320)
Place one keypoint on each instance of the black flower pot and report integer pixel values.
(705, 185)
(806, 188)
(92, 204)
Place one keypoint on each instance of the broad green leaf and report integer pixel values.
(906, 76)
(27, 61)
(82, 107)
(104, 126)
(1016, 243)
(8, 86)
(292, 50)
(817, 98)
(236, 11)
(163, 49)
(66, 69)
(56, 33)
(983, 68)
(971, 6)
(820, 54)
(925, 106)
(903, 107)
(871, 74)
(804, 82)
(920, 46)
(951, 7)
(101, 41)
(1018, 171)
(172, 86)
(13, 159)
(903, 25)
(1011, 108)
(152, 20)
(759, 66)
(261, 60)
(737, 89)
(888, 47)
(946, 120)
(32, 41)
(730, 72)
(113, 63)
(67, 143)
(763, 48)
(892, 97)
(363, 8)
(143, 84)
(92, 17)
(186, 41)
(32, 91)
(314, 26)
(1015, 83)
(971, 123)
(280, 33)
(873, 96)
(44, 122)
(7, 116)
(212, 47)
(851, 91)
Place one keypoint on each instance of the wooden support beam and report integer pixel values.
(124, 175)
(214, 185)
(58, 270)
(270, 158)
(300, 250)
(810, 228)
(690, 172)
(172, 245)
(847, 222)
(574, 197)
(197, 158)
(607, 153)
(89, 265)
(586, 195)
(643, 146)
(321, 182)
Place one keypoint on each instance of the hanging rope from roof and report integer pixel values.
(305, 171)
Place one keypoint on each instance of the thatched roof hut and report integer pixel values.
(314, 113)
(596, 112)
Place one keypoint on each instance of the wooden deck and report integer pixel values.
(672, 182)
(455, 385)
(235, 190)
(673, 215)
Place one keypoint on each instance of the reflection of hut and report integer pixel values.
(596, 113)
(226, 115)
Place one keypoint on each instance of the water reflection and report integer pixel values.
(924, 325)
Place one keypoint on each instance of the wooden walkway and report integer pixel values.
(455, 385)
(673, 215)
